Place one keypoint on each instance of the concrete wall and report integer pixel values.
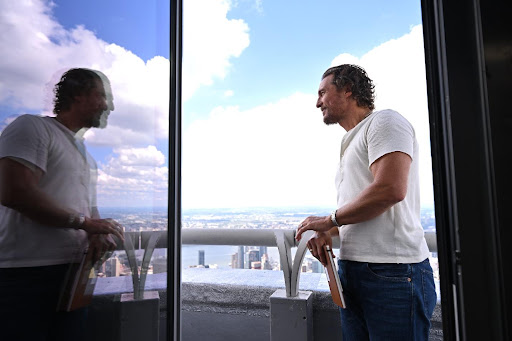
(222, 305)
(224, 312)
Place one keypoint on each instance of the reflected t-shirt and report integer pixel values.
(68, 179)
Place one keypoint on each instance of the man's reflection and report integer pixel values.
(48, 210)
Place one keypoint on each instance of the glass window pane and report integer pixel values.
(257, 156)
(118, 168)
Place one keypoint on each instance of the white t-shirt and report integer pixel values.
(69, 179)
(396, 236)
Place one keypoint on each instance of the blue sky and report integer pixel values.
(292, 42)
(140, 26)
(251, 135)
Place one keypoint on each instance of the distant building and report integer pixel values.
(201, 257)
(263, 251)
(159, 265)
(113, 267)
(316, 266)
(252, 256)
(311, 264)
(241, 252)
(265, 262)
(256, 265)
(234, 261)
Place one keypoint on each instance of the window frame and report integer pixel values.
(464, 171)
(173, 326)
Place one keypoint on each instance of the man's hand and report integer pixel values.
(103, 226)
(316, 245)
(100, 244)
(319, 224)
(19, 190)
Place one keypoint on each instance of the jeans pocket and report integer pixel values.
(390, 271)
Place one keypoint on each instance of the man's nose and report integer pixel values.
(318, 103)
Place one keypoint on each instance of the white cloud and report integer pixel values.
(229, 93)
(134, 176)
(36, 49)
(210, 40)
(258, 6)
(149, 156)
(282, 154)
(276, 154)
(25, 64)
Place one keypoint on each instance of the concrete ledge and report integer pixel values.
(225, 304)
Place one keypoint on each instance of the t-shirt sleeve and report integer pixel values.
(26, 139)
(387, 133)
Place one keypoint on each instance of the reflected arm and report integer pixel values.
(19, 191)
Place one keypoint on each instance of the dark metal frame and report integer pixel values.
(470, 238)
(174, 205)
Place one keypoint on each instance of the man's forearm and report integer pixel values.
(37, 206)
(372, 202)
(19, 190)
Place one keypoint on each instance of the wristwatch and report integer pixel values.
(76, 220)
(333, 218)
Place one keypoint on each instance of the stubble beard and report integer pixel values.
(328, 123)
(99, 121)
(103, 121)
(328, 120)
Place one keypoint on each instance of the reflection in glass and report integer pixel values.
(128, 45)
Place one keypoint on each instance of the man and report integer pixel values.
(384, 268)
(48, 212)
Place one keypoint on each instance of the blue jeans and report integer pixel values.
(386, 301)
(28, 302)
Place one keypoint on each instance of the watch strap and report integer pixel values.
(76, 220)
(333, 218)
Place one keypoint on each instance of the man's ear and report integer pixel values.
(347, 91)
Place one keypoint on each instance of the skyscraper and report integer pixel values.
(201, 257)
(252, 256)
(263, 251)
(234, 261)
(241, 253)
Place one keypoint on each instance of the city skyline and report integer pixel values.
(144, 219)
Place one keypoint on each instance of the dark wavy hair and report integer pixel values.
(353, 78)
(74, 82)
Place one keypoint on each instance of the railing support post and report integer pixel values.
(291, 318)
(291, 268)
(285, 255)
(140, 318)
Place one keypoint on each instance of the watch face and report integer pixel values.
(81, 219)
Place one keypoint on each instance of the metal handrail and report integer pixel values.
(284, 240)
